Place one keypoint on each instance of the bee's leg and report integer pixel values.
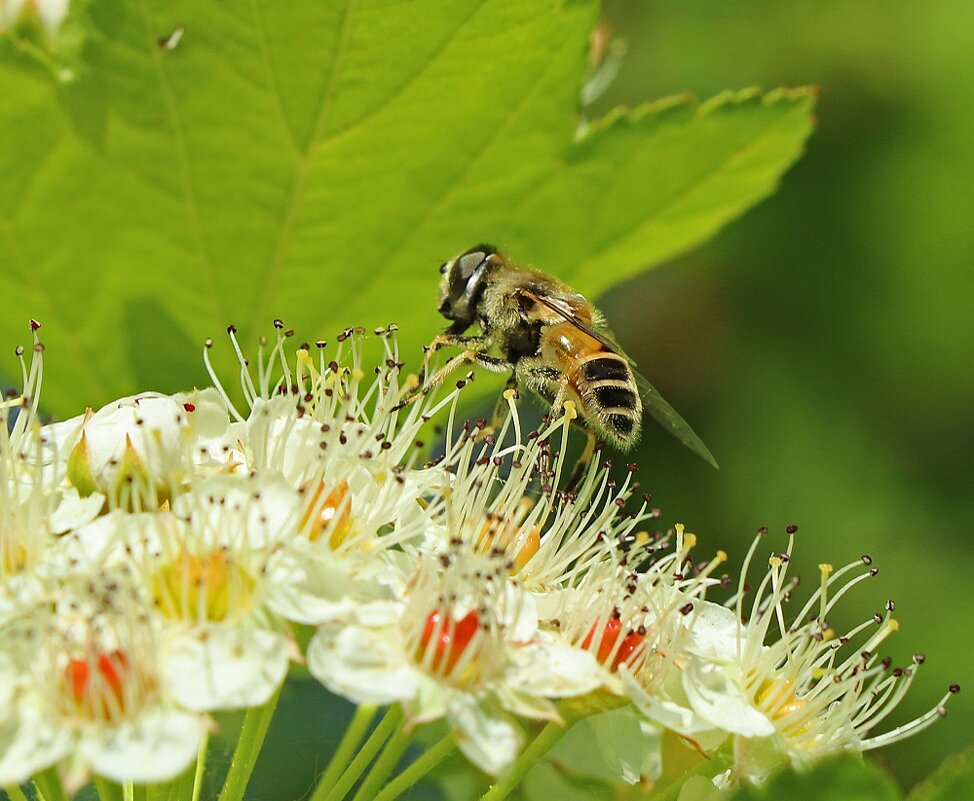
(492, 363)
(480, 343)
(582, 464)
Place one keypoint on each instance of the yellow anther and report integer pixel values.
(893, 625)
(412, 381)
(571, 412)
(689, 540)
(679, 528)
(825, 569)
(642, 537)
(510, 394)
(357, 374)
(721, 557)
(774, 561)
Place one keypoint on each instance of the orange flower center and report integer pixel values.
(333, 514)
(198, 588)
(499, 533)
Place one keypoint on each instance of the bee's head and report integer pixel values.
(463, 282)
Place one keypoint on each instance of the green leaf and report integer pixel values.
(952, 781)
(317, 161)
(546, 781)
(845, 778)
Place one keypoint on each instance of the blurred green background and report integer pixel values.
(823, 345)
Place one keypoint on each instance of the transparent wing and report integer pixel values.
(658, 408)
(670, 419)
(602, 336)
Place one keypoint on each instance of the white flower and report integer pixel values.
(203, 567)
(299, 419)
(138, 451)
(786, 686)
(464, 645)
(86, 692)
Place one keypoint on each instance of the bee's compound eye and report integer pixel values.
(469, 262)
(444, 267)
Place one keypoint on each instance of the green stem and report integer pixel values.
(388, 724)
(384, 765)
(107, 790)
(252, 734)
(200, 767)
(180, 787)
(14, 793)
(544, 742)
(356, 730)
(418, 769)
(48, 784)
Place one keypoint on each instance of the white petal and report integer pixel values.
(554, 669)
(157, 746)
(255, 512)
(521, 614)
(490, 741)
(526, 705)
(429, 703)
(669, 707)
(315, 591)
(30, 742)
(225, 668)
(150, 421)
(74, 511)
(717, 698)
(713, 632)
(365, 665)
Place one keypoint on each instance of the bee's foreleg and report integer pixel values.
(478, 344)
(492, 363)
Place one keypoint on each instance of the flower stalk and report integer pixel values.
(256, 722)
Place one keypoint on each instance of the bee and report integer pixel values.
(551, 339)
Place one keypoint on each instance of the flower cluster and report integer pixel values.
(159, 556)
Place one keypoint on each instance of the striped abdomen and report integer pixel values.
(607, 387)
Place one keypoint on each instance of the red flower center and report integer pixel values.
(450, 638)
(631, 643)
